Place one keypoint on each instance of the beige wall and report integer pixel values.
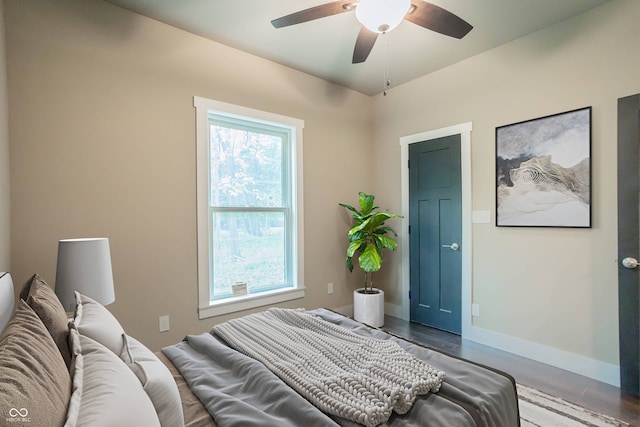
(553, 287)
(5, 223)
(103, 144)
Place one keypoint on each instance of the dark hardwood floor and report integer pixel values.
(592, 394)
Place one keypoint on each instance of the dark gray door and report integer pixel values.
(435, 232)
(628, 242)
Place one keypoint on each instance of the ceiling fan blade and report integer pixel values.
(364, 43)
(437, 19)
(313, 13)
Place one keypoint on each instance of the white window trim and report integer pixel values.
(207, 307)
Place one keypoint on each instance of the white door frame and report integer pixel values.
(464, 130)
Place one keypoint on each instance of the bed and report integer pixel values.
(273, 368)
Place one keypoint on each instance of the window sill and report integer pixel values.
(232, 305)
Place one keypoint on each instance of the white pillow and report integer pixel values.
(156, 380)
(96, 322)
(105, 393)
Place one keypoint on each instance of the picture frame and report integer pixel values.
(543, 171)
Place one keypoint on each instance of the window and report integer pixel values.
(249, 195)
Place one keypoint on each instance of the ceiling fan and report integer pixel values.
(381, 16)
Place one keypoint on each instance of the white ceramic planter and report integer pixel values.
(369, 308)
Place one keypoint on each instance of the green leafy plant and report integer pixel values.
(368, 237)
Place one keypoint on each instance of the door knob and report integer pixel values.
(630, 262)
(453, 246)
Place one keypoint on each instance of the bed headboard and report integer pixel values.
(7, 299)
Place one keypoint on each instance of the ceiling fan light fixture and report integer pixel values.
(381, 16)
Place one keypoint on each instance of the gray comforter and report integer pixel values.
(240, 391)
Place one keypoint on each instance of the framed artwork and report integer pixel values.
(543, 171)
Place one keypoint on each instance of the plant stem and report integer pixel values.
(368, 282)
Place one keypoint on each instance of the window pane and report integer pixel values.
(245, 168)
(247, 247)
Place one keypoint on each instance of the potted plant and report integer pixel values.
(367, 239)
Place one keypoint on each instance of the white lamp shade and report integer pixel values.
(381, 16)
(84, 265)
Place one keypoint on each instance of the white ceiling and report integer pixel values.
(324, 47)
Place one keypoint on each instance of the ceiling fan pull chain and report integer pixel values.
(387, 80)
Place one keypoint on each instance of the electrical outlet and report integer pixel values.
(163, 321)
(475, 310)
(329, 288)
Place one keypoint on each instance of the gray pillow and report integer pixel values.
(156, 380)
(96, 322)
(34, 380)
(105, 392)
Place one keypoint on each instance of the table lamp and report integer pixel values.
(84, 265)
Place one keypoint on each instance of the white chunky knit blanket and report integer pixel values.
(342, 373)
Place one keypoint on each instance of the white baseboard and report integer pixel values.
(595, 369)
(394, 310)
